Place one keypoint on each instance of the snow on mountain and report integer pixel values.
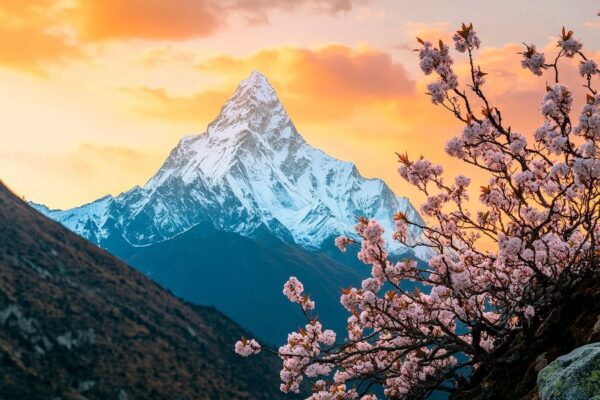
(249, 171)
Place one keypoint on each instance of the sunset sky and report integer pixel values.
(95, 93)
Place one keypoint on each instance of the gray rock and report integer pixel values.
(541, 362)
(13, 317)
(596, 327)
(77, 339)
(575, 376)
(595, 333)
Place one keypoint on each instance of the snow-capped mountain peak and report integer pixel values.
(249, 171)
(256, 87)
(254, 101)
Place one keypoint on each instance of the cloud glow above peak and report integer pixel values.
(96, 93)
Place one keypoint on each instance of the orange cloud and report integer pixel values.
(35, 32)
(325, 83)
(160, 19)
(180, 19)
(339, 71)
(516, 91)
(320, 85)
(30, 34)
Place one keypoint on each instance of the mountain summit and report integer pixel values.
(249, 172)
(240, 208)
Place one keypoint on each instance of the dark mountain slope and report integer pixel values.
(244, 277)
(77, 323)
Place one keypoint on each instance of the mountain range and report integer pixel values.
(235, 210)
(78, 323)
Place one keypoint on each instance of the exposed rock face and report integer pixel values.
(574, 376)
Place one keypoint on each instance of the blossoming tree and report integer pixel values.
(541, 209)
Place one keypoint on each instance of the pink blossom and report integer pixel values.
(570, 46)
(529, 312)
(437, 92)
(466, 39)
(533, 60)
(557, 102)
(328, 337)
(247, 347)
(538, 209)
(517, 142)
(588, 149)
(462, 181)
(293, 289)
(341, 242)
(454, 147)
(588, 68)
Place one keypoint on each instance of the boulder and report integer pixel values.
(575, 376)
